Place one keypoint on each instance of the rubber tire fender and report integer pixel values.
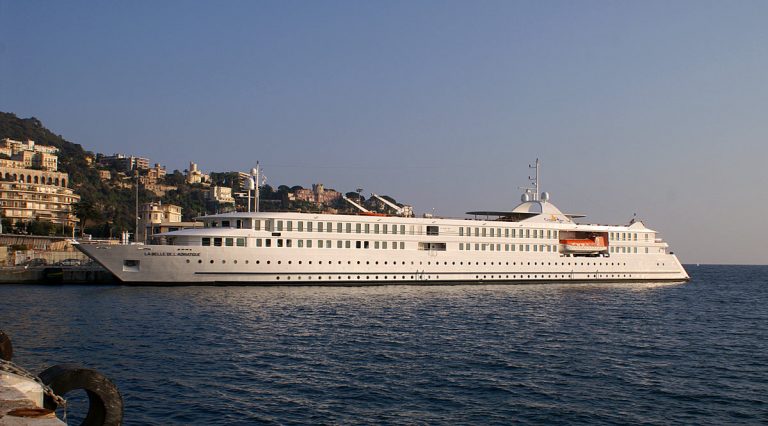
(6, 348)
(105, 404)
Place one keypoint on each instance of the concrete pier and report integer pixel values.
(56, 275)
(21, 402)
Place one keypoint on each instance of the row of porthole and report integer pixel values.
(429, 277)
(349, 262)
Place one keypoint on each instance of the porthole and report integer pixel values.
(235, 261)
(268, 262)
(299, 262)
(199, 261)
(279, 262)
(187, 260)
(278, 278)
(211, 260)
(358, 262)
(289, 262)
(258, 261)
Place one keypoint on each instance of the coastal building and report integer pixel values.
(194, 175)
(317, 195)
(31, 155)
(124, 163)
(105, 175)
(221, 195)
(155, 214)
(31, 188)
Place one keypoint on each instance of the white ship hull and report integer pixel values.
(189, 264)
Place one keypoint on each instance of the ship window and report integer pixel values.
(289, 225)
(206, 241)
(279, 225)
(433, 230)
(217, 242)
(230, 242)
(241, 242)
(268, 242)
(492, 248)
(130, 265)
(506, 233)
(309, 226)
(461, 231)
(402, 245)
(279, 242)
(288, 243)
(309, 243)
(461, 246)
(367, 228)
(258, 242)
(376, 244)
(268, 225)
(225, 224)
(319, 226)
(493, 232)
(512, 247)
(394, 245)
(339, 244)
(358, 244)
(484, 231)
(300, 243)
(328, 244)
(498, 247)
(239, 223)
(376, 228)
(300, 226)
(339, 227)
(329, 226)
(358, 227)
(527, 233)
(319, 243)
(402, 229)
(384, 246)
(366, 244)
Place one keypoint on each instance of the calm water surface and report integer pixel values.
(695, 353)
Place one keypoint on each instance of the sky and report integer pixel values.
(654, 108)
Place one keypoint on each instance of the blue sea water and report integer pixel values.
(694, 353)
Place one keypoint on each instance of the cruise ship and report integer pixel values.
(533, 243)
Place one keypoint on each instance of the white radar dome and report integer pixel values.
(545, 196)
(525, 198)
(249, 185)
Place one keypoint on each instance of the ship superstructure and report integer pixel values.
(535, 242)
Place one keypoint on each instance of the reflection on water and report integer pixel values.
(583, 353)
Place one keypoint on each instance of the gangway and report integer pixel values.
(400, 211)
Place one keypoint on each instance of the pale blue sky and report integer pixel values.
(659, 108)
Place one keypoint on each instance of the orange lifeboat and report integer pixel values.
(585, 245)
